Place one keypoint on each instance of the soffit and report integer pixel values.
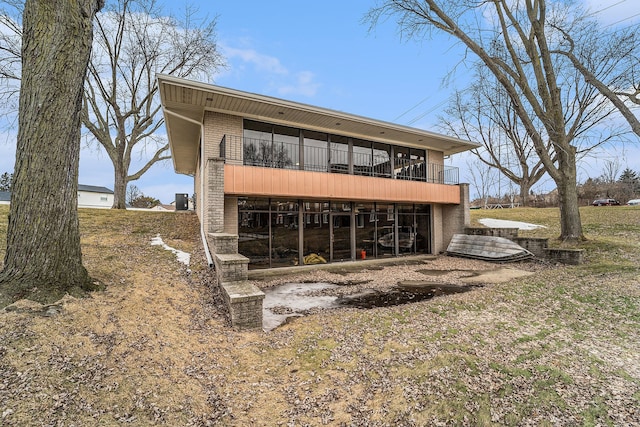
(189, 100)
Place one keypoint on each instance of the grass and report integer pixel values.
(556, 348)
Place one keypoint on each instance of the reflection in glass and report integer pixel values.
(418, 165)
(316, 229)
(381, 160)
(339, 154)
(284, 233)
(315, 151)
(286, 143)
(385, 228)
(402, 165)
(365, 231)
(362, 157)
(253, 231)
(341, 237)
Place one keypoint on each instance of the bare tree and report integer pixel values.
(133, 42)
(133, 192)
(611, 170)
(608, 61)
(43, 260)
(525, 67)
(485, 114)
(483, 179)
(10, 61)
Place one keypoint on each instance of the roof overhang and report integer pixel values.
(184, 103)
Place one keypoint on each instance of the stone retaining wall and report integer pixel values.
(565, 256)
(244, 300)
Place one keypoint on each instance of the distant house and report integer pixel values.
(90, 196)
(164, 208)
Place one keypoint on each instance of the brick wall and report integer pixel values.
(455, 217)
(217, 125)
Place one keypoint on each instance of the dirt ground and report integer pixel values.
(556, 347)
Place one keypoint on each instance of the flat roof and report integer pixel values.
(184, 103)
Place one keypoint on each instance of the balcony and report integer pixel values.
(336, 159)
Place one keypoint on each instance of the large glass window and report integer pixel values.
(402, 164)
(362, 157)
(381, 160)
(269, 236)
(253, 231)
(365, 231)
(315, 151)
(257, 143)
(385, 227)
(284, 233)
(423, 229)
(339, 154)
(316, 231)
(341, 231)
(278, 146)
(418, 165)
(406, 229)
(286, 146)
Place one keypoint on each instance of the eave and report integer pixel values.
(185, 102)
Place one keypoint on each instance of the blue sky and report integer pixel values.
(321, 53)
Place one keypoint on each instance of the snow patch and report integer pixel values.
(293, 299)
(182, 257)
(503, 223)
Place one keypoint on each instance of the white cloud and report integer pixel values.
(269, 69)
(261, 62)
(304, 84)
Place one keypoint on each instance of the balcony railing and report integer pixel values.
(287, 155)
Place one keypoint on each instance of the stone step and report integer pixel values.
(231, 267)
(244, 301)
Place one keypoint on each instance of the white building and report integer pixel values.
(90, 196)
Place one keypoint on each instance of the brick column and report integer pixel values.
(215, 197)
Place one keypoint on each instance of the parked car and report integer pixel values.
(605, 202)
(634, 202)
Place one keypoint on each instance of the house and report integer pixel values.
(90, 196)
(302, 184)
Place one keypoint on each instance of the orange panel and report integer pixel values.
(265, 182)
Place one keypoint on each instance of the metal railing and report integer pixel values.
(286, 155)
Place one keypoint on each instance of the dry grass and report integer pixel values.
(557, 348)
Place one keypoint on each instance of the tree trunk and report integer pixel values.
(570, 221)
(525, 186)
(43, 260)
(119, 186)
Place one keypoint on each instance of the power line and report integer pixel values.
(431, 110)
(412, 108)
(608, 7)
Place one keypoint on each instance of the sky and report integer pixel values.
(321, 53)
